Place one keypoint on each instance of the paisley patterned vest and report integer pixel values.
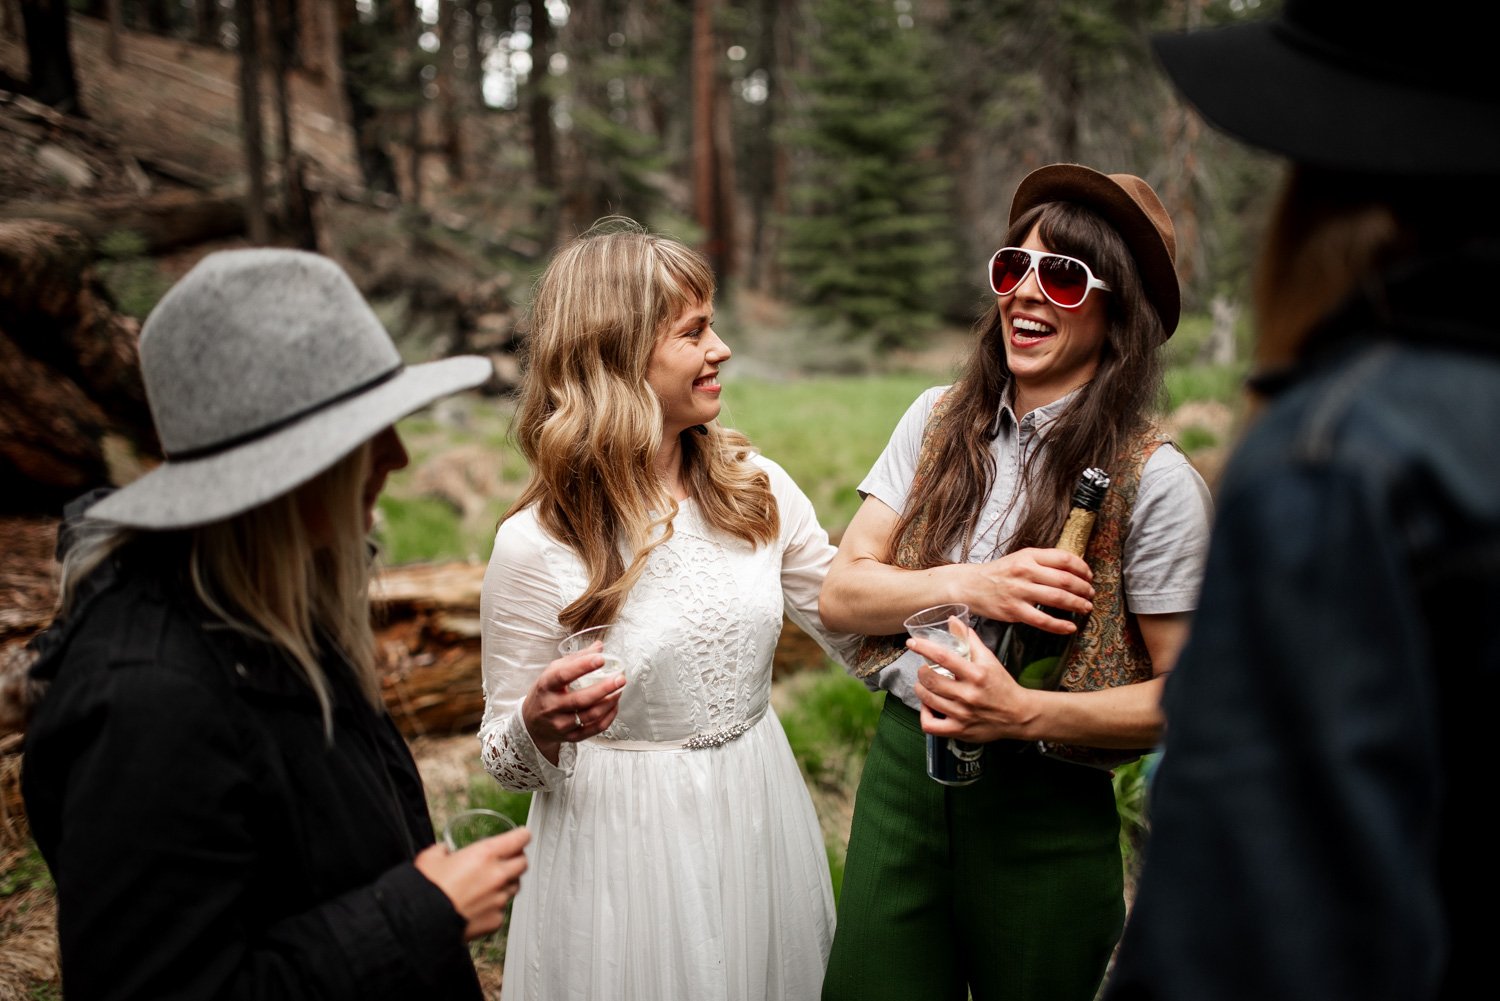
(1109, 650)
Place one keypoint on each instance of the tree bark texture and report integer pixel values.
(115, 17)
(706, 194)
(165, 221)
(450, 92)
(206, 21)
(539, 114)
(257, 222)
(69, 371)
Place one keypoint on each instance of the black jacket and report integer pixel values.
(206, 839)
(1330, 720)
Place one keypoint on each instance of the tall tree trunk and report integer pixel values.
(296, 213)
(449, 93)
(158, 15)
(724, 187)
(761, 148)
(375, 164)
(207, 20)
(708, 196)
(539, 99)
(1182, 165)
(256, 222)
(282, 38)
(407, 28)
(473, 40)
(115, 18)
(49, 54)
(317, 38)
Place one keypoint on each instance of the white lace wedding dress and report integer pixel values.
(677, 856)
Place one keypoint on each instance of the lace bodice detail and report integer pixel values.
(697, 633)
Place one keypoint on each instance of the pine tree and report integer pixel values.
(869, 243)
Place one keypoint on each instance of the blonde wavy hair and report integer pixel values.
(590, 426)
(262, 574)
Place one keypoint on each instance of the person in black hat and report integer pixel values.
(1011, 886)
(1309, 837)
(225, 805)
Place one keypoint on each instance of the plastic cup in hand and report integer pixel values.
(932, 624)
(613, 667)
(469, 826)
(951, 762)
(583, 639)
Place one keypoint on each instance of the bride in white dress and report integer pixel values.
(675, 852)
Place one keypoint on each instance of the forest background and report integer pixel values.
(846, 165)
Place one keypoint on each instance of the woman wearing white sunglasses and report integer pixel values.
(1011, 887)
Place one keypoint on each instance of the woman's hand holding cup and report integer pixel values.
(978, 701)
(479, 879)
(554, 712)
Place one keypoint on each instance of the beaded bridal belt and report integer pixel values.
(697, 742)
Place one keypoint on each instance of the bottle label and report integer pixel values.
(945, 763)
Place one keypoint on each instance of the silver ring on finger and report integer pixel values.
(577, 722)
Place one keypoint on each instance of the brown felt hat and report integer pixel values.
(1129, 205)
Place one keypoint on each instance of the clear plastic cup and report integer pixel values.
(468, 826)
(933, 624)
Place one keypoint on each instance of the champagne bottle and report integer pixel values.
(1035, 657)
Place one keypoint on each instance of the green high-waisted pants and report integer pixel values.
(1010, 889)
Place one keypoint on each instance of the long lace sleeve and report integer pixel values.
(806, 556)
(518, 609)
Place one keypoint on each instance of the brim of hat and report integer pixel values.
(1253, 82)
(1073, 182)
(183, 494)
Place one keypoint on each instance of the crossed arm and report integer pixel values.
(865, 592)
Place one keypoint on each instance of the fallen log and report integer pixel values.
(164, 221)
(70, 385)
(427, 646)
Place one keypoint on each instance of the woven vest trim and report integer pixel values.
(1109, 651)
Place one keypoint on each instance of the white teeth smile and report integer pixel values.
(1030, 326)
(706, 382)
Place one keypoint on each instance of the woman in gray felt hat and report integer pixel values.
(225, 806)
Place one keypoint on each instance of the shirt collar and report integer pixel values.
(1040, 418)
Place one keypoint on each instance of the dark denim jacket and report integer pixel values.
(1325, 726)
(206, 838)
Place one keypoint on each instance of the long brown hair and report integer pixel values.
(1327, 234)
(590, 426)
(1336, 237)
(1094, 429)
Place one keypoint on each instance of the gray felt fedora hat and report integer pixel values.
(263, 368)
